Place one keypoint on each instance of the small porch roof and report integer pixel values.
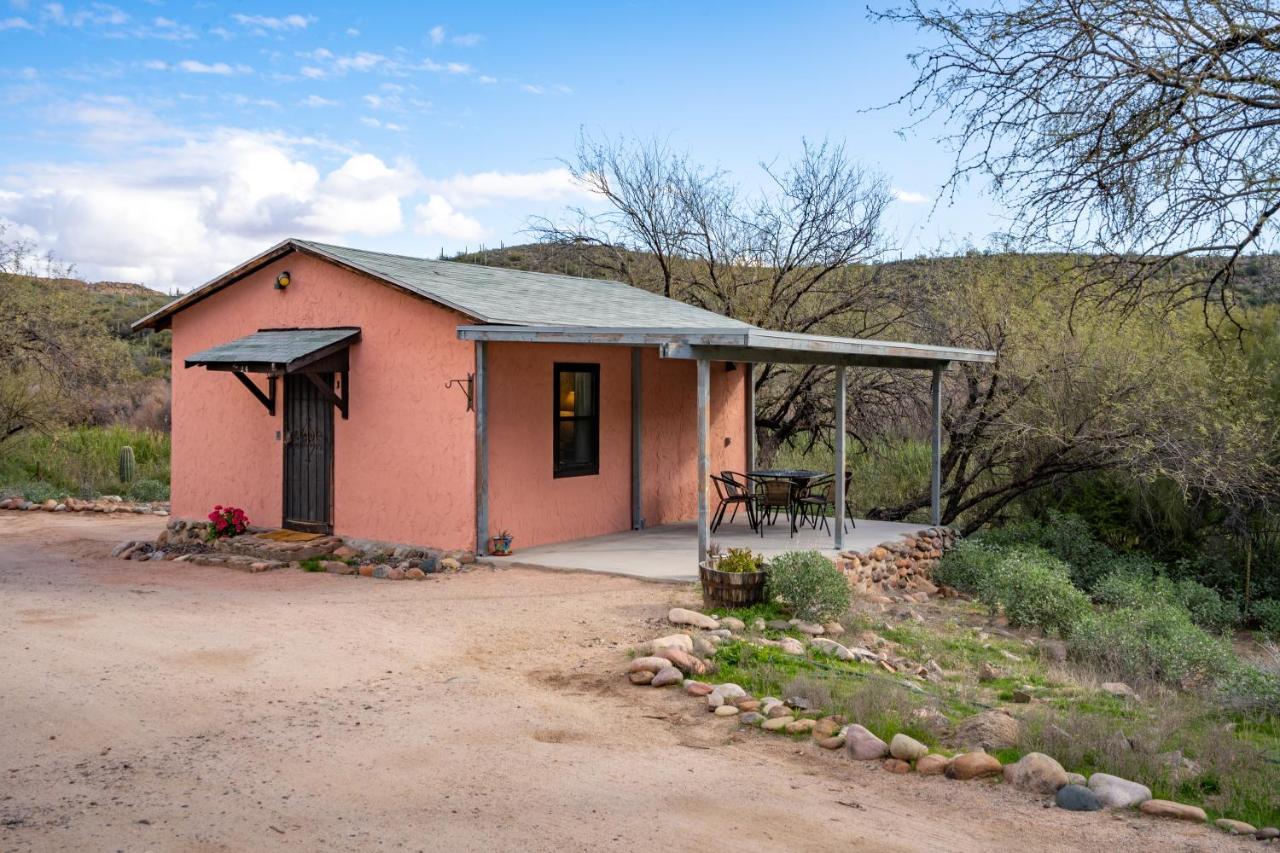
(747, 344)
(276, 351)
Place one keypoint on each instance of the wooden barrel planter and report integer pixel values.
(730, 589)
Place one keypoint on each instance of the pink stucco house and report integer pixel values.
(435, 403)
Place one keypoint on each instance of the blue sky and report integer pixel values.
(163, 143)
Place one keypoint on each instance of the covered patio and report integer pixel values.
(673, 551)
(668, 552)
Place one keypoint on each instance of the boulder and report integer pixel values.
(791, 646)
(681, 616)
(1038, 773)
(697, 688)
(652, 664)
(811, 628)
(973, 765)
(1234, 827)
(682, 660)
(774, 724)
(862, 745)
(415, 574)
(733, 623)
(1267, 833)
(1119, 689)
(1077, 779)
(828, 726)
(835, 741)
(337, 567)
(799, 727)
(750, 718)
(906, 748)
(642, 676)
(932, 765)
(833, 627)
(1170, 809)
(683, 642)
(994, 729)
(667, 677)
(896, 765)
(1116, 793)
(831, 647)
(1077, 798)
(726, 711)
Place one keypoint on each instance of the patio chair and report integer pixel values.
(732, 494)
(773, 496)
(820, 497)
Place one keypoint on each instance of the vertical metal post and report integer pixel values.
(704, 457)
(841, 417)
(935, 466)
(748, 370)
(480, 394)
(637, 439)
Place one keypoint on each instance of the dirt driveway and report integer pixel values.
(153, 706)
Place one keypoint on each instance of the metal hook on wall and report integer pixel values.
(467, 385)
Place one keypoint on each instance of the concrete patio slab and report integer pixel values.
(669, 552)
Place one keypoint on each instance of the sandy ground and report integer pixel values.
(149, 706)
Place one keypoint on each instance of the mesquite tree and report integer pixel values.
(783, 258)
(1146, 132)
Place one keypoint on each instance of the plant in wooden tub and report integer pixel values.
(736, 579)
(227, 521)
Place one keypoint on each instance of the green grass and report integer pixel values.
(83, 462)
(311, 564)
(1238, 755)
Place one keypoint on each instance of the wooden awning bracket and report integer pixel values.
(326, 390)
(268, 399)
(468, 387)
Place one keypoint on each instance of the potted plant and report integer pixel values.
(736, 579)
(501, 543)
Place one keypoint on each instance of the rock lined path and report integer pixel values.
(154, 706)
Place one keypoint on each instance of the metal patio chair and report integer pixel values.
(732, 494)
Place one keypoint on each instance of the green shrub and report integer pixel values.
(39, 491)
(968, 566)
(808, 584)
(1266, 612)
(740, 560)
(1249, 690)
(1035, 590)
(1069, 538)
(1208, 609)
(1137, 583)
(149, 491)
(1157, 642)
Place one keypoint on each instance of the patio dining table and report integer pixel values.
(800, 476)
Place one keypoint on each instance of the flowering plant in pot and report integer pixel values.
(227, 521)
(501, 543)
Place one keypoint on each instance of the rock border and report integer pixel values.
(107, 504)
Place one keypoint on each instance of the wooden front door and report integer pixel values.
(308, 455)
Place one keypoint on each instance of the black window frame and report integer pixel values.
(560, 469)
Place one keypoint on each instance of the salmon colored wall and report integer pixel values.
(404, 461)
(538, 508)
(671, 434)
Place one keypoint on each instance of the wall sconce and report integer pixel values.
(282, 280)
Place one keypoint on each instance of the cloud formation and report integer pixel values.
(908, 197)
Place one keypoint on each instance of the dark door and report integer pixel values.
(308, 455)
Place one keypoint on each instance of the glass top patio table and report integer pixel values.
(799, 475)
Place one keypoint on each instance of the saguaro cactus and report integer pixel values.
(127, 466)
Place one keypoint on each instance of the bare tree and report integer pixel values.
(1143, 131)
(785, 258)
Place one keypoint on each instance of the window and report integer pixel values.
(577, 419)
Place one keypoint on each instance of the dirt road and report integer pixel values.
(153, 706)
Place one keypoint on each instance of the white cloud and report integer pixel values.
(194, 66)
(261, 24)
(467, 39)
(179, 214)
(353, 32)
(317, 101)
(370, 121)
(908, 197)
(436, 34)
(485, 78)
(438, 216)
(15, 23)
(484, 188)
(531, 89)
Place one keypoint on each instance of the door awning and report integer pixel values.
(280, 352)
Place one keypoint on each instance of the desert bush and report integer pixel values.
(968, 565)
(1266, 612)
(1158, 642)
(1138, 583)
(149, 490)
(37, 490)
(1034, 589)
(1069, 538)
(808, 584)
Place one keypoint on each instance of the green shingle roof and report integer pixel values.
(273, 346)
